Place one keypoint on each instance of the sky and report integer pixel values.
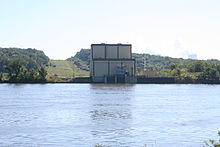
(176, 28)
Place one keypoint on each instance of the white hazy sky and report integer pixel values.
(60, 28)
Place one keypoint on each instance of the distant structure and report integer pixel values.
(192, 56)
(112, 63)
(148, 73)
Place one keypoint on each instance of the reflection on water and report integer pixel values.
(113, 115)
(105, 115)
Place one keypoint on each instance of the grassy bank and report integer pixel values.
(63, 71)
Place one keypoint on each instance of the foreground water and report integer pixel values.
(84, 115)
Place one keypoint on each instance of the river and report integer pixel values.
(85, 115)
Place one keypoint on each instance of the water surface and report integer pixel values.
(84, 115)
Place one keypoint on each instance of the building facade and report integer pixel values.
(112, 63)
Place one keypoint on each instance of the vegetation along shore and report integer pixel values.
(33, 66)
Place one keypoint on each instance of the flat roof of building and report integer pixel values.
(119, 44)
(116, 59)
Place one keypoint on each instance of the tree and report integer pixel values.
(32, 58)
(1, 77)
(32, 75)
(173, 66)
(18, 73)
(42, 74)
(196, 66)
(14, 70)
(176, 72)
(212, 143)
(29, 76)
(209, 74)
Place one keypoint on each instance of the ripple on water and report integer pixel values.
(113, 115)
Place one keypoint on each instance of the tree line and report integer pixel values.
(197, 70)
(31, 58)
(22, 65)
(16, 72)
(181, 69)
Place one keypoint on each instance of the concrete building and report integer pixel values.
(112, 63)
(148, 73)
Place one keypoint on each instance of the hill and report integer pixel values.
(153, 62)
(23, 65)
(81, 59)
(181, 69)
(29, 61)
(61, 70)
(30, 58)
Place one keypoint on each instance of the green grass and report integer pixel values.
(62, 70)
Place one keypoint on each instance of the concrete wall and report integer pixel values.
(91, 68)
(111, 52)
(125, 52)
(101, 68)
(130, 67)
(113, 66)
(106, 51)
(109, 68)
(99, 51)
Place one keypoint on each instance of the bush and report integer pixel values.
(18, 73)
(212, 142)
(1, 77)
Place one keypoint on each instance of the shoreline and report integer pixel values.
(178, 83)
(140, 80)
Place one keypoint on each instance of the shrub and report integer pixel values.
(212, 142)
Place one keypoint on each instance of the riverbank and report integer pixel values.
(140, 80)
